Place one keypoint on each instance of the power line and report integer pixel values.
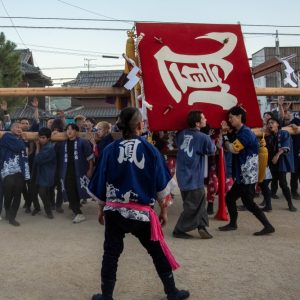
(133, 21)
(70, 19)
(81, 67)
(270, 25)
(125, 29)
(64, 28)
(89, 11)
(77, 50)
(72, 53)
(12, 22)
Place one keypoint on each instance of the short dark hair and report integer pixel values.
(91, 120)
(26, 119)
(73, 126)
(193, 117)
(58, 125)
(276, 120)
(45, 131)
(269, 113)
(238, 110)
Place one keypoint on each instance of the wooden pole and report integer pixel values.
(277, 91)
(63, 91)
(91, 136)
(114, 91)
(259, 131)
(62, 136)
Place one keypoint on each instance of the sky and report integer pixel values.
(62, 54)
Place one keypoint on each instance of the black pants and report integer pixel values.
(58, 201)
(72, 193)
(44, 193)
(294, 182)
(116, 227)
(266, 192)
(1, 197)
(246, 192)
(274, 186)
(281, 178)
(12, 188)
(26, 191)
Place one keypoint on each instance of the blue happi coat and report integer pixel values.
(281, 140)
(296, 145)
(44, 166)
(131, 170)
(192, 145)
(83, 152)
(245, 162)
(13, 156)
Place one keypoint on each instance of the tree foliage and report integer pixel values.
(10, 68)
(10, 65)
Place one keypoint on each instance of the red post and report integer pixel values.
(221, 213)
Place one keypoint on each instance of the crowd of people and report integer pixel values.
(128, 175)
(55, 172)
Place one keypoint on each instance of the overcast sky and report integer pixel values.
(61, 53)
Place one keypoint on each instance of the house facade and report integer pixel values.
(100, 108)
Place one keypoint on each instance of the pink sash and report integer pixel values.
(156, 230)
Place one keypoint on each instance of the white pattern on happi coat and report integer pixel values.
(185, 146)
(128, 150)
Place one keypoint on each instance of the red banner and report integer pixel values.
(195, 66)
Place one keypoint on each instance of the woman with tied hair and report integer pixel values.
(132, 176)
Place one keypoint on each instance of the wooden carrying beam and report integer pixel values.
(114, 91)
(63, 91)
(277, 91)
(61, 136)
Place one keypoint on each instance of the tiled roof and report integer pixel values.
(94, 112)
(107, 78)
(28, 68)
(25, 56)
(20, 112)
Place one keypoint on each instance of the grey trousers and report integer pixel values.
(194, 213)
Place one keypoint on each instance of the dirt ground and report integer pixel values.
(57, 260)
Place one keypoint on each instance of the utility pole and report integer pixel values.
(277, 53)
(88, 62)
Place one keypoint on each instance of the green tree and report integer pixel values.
(10, 68)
